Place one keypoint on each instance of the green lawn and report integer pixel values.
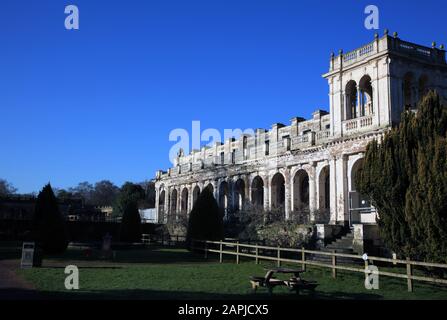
(164, 273)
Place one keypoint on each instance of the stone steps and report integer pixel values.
(341, 245)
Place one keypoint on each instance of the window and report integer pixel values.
(245, 148)
(267, 147)
(222, 158)
(233, 156)
(286, 143)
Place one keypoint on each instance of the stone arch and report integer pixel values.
(174, 196)
(161, 202)
(278, 191)
(324, 195)
(366, 96)
(351, 100)
(239, 194)
(195, 194)
(354, 170)
(210, 187)
(184, 201)
(224, 192)
(257, 192)
(301, 191)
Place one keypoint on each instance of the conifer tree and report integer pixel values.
(131, 223)
(406, 178)
(205, 220)
(49, 229)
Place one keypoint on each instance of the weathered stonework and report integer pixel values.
(309, 166)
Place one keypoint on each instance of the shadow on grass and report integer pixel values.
(146, 294)
(153, 255)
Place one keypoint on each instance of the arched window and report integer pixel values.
(239, 190)
(184, 203)
(278, 192)
(195, 194)
(351, 100)
(257, 192)
(366, 97)
(223, 197)
(173, 202)
(301, 191)
(161, 202)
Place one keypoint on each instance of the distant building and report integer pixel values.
(21, 207)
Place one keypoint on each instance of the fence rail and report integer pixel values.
(253, 251)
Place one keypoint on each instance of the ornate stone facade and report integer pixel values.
(309, 165)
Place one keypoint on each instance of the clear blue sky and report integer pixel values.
(99, 103)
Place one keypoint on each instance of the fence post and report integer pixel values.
(220, 252)
(409, 274)
(257, 252)
(334, 263)
(303, 259)
(237, 252)
(279, 256)
(366, 269)
(206, 250)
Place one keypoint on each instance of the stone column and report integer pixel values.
(313, 190)
(178, 208)
(247, 191)
(287, 182)
(189, 203)
(267, 193)
(333, 190)
(157, 209)
(342, 193)
(359, 103)
(375, 97)
(167, 206)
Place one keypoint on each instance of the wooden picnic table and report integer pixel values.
(294, 283)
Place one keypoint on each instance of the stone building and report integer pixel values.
(309, 166)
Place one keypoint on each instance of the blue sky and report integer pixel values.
(100, 102)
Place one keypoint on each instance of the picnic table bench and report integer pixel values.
(294, 283)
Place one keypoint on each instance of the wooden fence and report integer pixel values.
(237, 249)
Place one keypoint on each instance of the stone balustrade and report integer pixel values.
(358, 124)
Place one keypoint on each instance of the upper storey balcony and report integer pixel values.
(385, 44)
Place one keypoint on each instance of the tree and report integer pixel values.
(63, 194)
(130, 192)
(104, 193)
(406, 178)
(149, 190)
(48, 226)
(205, 220)
(6, 188)
(83, 190)
(131, 223)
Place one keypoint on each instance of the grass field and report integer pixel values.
(167, 273)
